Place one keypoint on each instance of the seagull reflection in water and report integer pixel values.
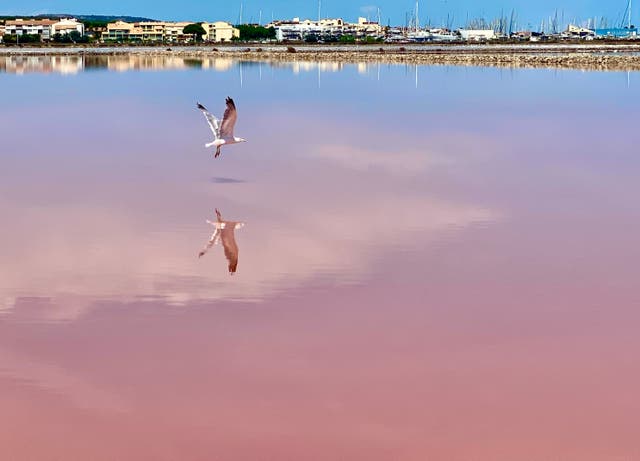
(225, 232)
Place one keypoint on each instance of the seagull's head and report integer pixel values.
(241, 140)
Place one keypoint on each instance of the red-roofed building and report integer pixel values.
(41, 27)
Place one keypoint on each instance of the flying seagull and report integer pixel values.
(223, 133)
(225, 232)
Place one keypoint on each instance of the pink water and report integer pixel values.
(434, 266)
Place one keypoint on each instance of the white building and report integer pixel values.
(45, 28)
(296, 29)
(364, 28)
(477, 34)
(66, 26)
(579, 32)
(41, 27)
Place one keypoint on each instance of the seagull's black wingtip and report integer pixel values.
(201, 107)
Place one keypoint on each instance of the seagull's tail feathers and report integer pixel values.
(210, 144)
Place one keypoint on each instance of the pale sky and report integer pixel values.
(393, 11)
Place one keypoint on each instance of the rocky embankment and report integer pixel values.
(597, 57)
(572, 60)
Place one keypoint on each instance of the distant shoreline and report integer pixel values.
(591, 56)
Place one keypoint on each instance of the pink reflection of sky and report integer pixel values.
(355, 372)
(136, 227)
(470, 299)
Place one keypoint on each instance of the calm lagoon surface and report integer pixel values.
(437, 263)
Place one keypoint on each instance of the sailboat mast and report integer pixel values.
(417, 24)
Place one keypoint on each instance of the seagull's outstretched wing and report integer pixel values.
(230, 246)
(211, 120)
(212, 241)
(228, 120)
(215, 238)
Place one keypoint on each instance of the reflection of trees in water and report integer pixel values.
(190, 62)
(95, 62)
(249, 64)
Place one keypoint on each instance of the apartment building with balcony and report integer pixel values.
(40, 27)
(220, 31)
(150, 31)
(118, 30)
(44, 28)
(173, 32)
(160, 31)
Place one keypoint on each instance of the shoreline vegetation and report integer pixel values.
(597, 56)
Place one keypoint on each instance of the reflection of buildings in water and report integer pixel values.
(219, 64)
(127, 62)
(42, 64)
(123, 63)
(225, 232)
(307, 66)
(118, 63)
(67, 64)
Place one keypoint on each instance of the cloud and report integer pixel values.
(397, 163)
(442, 151)
(88, 255)
(116, 243)
(369, 9)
